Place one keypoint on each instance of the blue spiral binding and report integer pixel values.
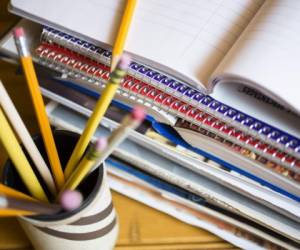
(252, 123)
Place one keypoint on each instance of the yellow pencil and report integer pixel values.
(25, 137)
(18, 158)
(99, 151)
(14, 193)
(39, 107)
(122, 33)
(85, 165)
(14, 212)
(99, 110)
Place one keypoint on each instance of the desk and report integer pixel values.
(137, 230)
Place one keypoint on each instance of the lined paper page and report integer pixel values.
(187, 36)
(268, 52)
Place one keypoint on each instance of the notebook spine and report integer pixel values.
(195, 98)
(93, 72)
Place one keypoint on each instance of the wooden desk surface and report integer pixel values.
(137, 230)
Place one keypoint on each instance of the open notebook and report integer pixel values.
(201, 42)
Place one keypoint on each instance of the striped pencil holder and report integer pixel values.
(92, 226)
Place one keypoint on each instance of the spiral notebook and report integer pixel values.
(187, 94)
(203, 43)
(180, 103)
(67, 93)
(74, 64)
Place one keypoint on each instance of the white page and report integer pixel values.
(268, 53)
(189, 37)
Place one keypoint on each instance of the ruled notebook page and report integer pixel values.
(268, 53)
(189, 37)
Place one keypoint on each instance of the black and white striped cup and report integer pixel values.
(92, 226)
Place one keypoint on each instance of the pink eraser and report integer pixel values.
(101, 144)
(19, 32)
(70, 200)
(138, 113)
(124, 62)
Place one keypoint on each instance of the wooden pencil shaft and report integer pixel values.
(43, 121)
(122, 32)
(85, 165)
(14, 212)
(26, 205)
(94, 120)
(19, 159)
(78, 174)
(94, 158)
(5, 190)
(124, 128)
(22, 132)
(117, 137)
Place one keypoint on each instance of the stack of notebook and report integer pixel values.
(220, 148)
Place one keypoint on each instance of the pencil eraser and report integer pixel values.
(70, 200)
(124, 62)
(19, 32)
(138, 113)
(101, 144)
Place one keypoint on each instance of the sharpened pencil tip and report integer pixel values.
(124, 62)
(19, 32)
(101, 144)
(138, 113)
(70, 200)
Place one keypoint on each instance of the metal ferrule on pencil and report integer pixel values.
(93, 154)
(117, 75)
(22, 46)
